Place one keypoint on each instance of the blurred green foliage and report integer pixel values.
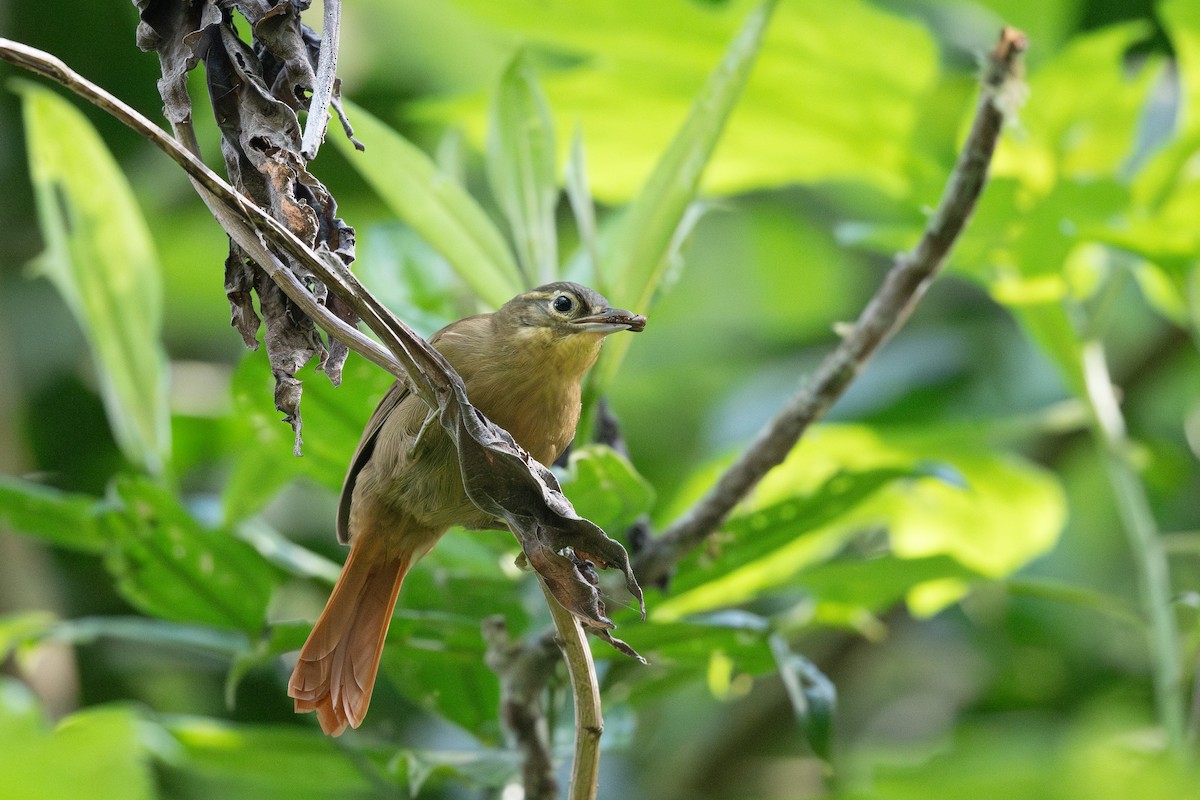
(948, 551)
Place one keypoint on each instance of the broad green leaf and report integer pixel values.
(605, 488)
(637, 256)
(837, 95)
(681, 652)
(167, 565)
(266, 463)
(521, 167)
(995, 516)
(100, 257)
(261, 762)
(93, 753)
(1080, 129)
(66, 520)
(849, 593)
(436, 206)
(155, 632)
(772, 544)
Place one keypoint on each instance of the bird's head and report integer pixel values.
(566, 309)
(562, 325)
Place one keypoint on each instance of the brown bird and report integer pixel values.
(523, 367)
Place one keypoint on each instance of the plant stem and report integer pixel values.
(1154, 580)
(589, 725)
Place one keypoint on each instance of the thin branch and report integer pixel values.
(589, 724)
(524, 671)
(895, 299)
(323, 90)
(1150, 559)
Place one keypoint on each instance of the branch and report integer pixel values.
(585, 689)
(891, 305)
(524, 671)
(323, 89)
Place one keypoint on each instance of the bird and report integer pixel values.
(523, 367)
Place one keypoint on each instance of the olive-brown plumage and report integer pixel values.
(523, 367)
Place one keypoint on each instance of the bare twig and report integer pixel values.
(524, 671)
(895, 299)
(323, 90)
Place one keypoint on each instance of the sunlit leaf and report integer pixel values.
(266, 463)
(521, 166)
(637, 257)
(628, 72)
(93, 753)
(997, 514)
(100, 258)
(436, 206)
(772, 543)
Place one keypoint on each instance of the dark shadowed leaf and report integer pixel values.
(813, 696)
(168, 565)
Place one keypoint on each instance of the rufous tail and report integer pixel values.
(338, 664)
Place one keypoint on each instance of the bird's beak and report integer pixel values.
(610, 320)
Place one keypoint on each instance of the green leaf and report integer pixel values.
(261, 762)
(772, 543)
(94, 753)
(338, 412)
(813, 696)
(100, 257)
(637, 257)
(146, 631)
(521, 159)
(837, 97)
(1181, 18)
(583, 206)
(1081, 129)
(436, 206)
(66, 520)
(1084, 597)
(605, 488)
(997, 514)
(17, 629)
(167, 565)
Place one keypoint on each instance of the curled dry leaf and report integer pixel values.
(255, 93)
(505, 481)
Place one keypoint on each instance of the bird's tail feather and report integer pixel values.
(338, 664)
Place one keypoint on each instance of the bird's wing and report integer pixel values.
(362, 454)
(366, 446)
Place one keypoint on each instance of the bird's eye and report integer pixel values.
(563, 304)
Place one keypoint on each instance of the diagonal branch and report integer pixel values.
(891, 305)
